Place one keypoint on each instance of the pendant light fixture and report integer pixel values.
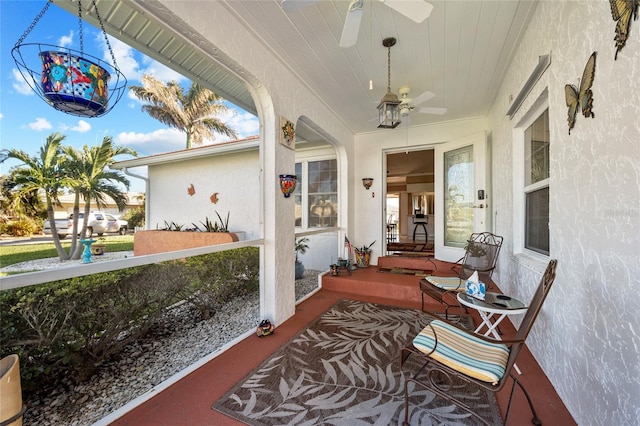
(388, 109)
(69, 80)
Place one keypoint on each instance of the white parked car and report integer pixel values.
(99, 223)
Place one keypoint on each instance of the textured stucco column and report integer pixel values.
(277, 293)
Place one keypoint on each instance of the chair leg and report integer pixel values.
(535, 420)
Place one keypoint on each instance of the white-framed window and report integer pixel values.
(316, 194)
(532, 181)
(536, 189)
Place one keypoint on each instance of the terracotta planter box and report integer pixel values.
(151, 242)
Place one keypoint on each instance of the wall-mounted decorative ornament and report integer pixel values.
(621, 12)
(69, 80)
(582, 99)
(288, 184)
(287, 133)
(191, 190)
(214, 198)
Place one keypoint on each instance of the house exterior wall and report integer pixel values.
(235, 178)
(586, 338)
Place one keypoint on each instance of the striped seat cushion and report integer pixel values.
(463, 352)
(447, 283)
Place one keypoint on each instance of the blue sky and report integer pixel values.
(26, 120)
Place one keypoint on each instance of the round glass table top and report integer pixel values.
(492, 301)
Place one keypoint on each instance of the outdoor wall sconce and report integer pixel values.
(288, 184)
(367, 182)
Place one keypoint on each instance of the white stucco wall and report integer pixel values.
(236, 180)
(235, 177)
(586, 338)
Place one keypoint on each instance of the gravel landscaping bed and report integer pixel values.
(179, 340)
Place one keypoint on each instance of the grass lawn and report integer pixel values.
(10, 254)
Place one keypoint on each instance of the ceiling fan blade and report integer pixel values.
(352, 24)
(423, 97)
(432, 110)
(293, 5)
(416, 10)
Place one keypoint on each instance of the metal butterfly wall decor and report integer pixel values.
(581, 99)
(621, 11)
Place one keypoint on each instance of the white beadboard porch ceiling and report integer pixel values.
(460, 53)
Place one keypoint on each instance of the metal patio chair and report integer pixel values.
(481, 254)
(452, 352)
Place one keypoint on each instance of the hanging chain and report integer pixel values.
(80, 28)
(34, 23)
(106, 39)
(389, 69)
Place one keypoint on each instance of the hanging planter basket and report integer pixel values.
(69, 80)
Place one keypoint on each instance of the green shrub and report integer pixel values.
(22, 227)
(217, 278)
(69, 327)
(135, 218)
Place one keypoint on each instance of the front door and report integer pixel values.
(460, 200)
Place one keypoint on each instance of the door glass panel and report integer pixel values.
(458, 196)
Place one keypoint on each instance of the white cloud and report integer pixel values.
(132, 69)
(81, 127)
(20, 85)
(246, 124)
(241, 121)
(40, 124)
(124, 55)
(161, 72)
(66, 40)
(1, 116)
(161, 140)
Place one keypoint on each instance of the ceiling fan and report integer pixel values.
(416, 10)
(407, 104)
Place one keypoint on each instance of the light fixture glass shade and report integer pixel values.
(389, 112)
(367, 182)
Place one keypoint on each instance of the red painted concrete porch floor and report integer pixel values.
(189, 401)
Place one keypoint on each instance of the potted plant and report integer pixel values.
(300, 247)
(363, 255)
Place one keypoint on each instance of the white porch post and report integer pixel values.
(277, 292)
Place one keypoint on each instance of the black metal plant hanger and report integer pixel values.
(69, 80)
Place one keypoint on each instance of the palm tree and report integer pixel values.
(193, 113)
(19, 203)
(44, 172)
(95, 181)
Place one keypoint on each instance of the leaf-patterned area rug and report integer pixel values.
(344, 369)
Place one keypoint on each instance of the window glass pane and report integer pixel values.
(323, 193)
(297, 195)
(323, 211)
(537, 221)
(323, 176)
(458, 196)
(537, 150)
